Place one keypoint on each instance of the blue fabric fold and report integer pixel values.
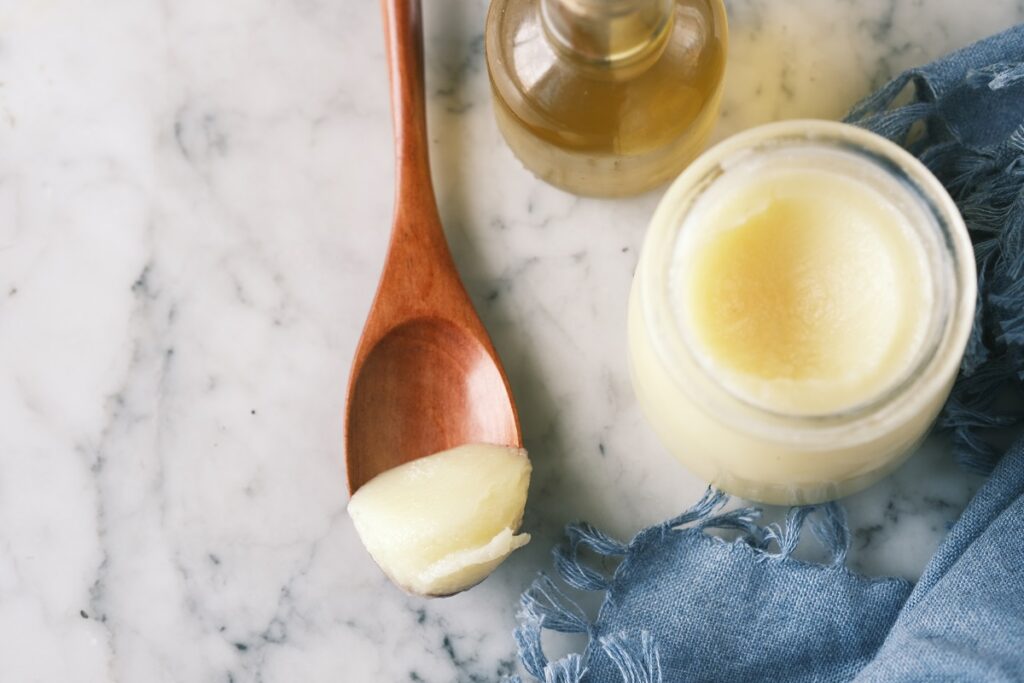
(682, 604)
(685, 605)
(964, 621)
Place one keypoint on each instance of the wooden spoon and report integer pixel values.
(425, 376)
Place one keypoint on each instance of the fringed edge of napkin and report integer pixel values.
(987, 184)
(546, 607)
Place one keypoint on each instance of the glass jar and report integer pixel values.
(606, 97)
(788, 452)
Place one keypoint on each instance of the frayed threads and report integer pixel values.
(552, 609)
(711, 501)
(997, 76)
(569, 669)
(985, 176)
(569, 564)
(636, 657)
(545, 606)
(829, 526)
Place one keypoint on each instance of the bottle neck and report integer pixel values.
(609, 33)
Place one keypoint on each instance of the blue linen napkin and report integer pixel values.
(684, 605)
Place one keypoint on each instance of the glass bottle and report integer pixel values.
(606, 97)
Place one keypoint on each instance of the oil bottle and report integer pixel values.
(606, 97)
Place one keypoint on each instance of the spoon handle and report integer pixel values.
(403, 32)
(419, 277)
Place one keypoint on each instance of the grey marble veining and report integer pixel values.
(194, 202)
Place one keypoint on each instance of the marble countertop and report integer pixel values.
(194, 204)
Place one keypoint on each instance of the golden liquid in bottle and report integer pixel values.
(607, 127)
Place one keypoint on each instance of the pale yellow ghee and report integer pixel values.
(805, 290)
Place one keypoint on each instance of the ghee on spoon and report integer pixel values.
(425, 380)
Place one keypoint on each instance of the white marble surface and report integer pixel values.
(194, 203)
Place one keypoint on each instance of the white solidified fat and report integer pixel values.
(440, 524)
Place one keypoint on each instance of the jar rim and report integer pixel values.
(932, 367)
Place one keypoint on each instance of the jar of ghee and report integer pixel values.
(798, 315)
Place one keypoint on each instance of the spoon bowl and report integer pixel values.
(425, 387)
(426, 376)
